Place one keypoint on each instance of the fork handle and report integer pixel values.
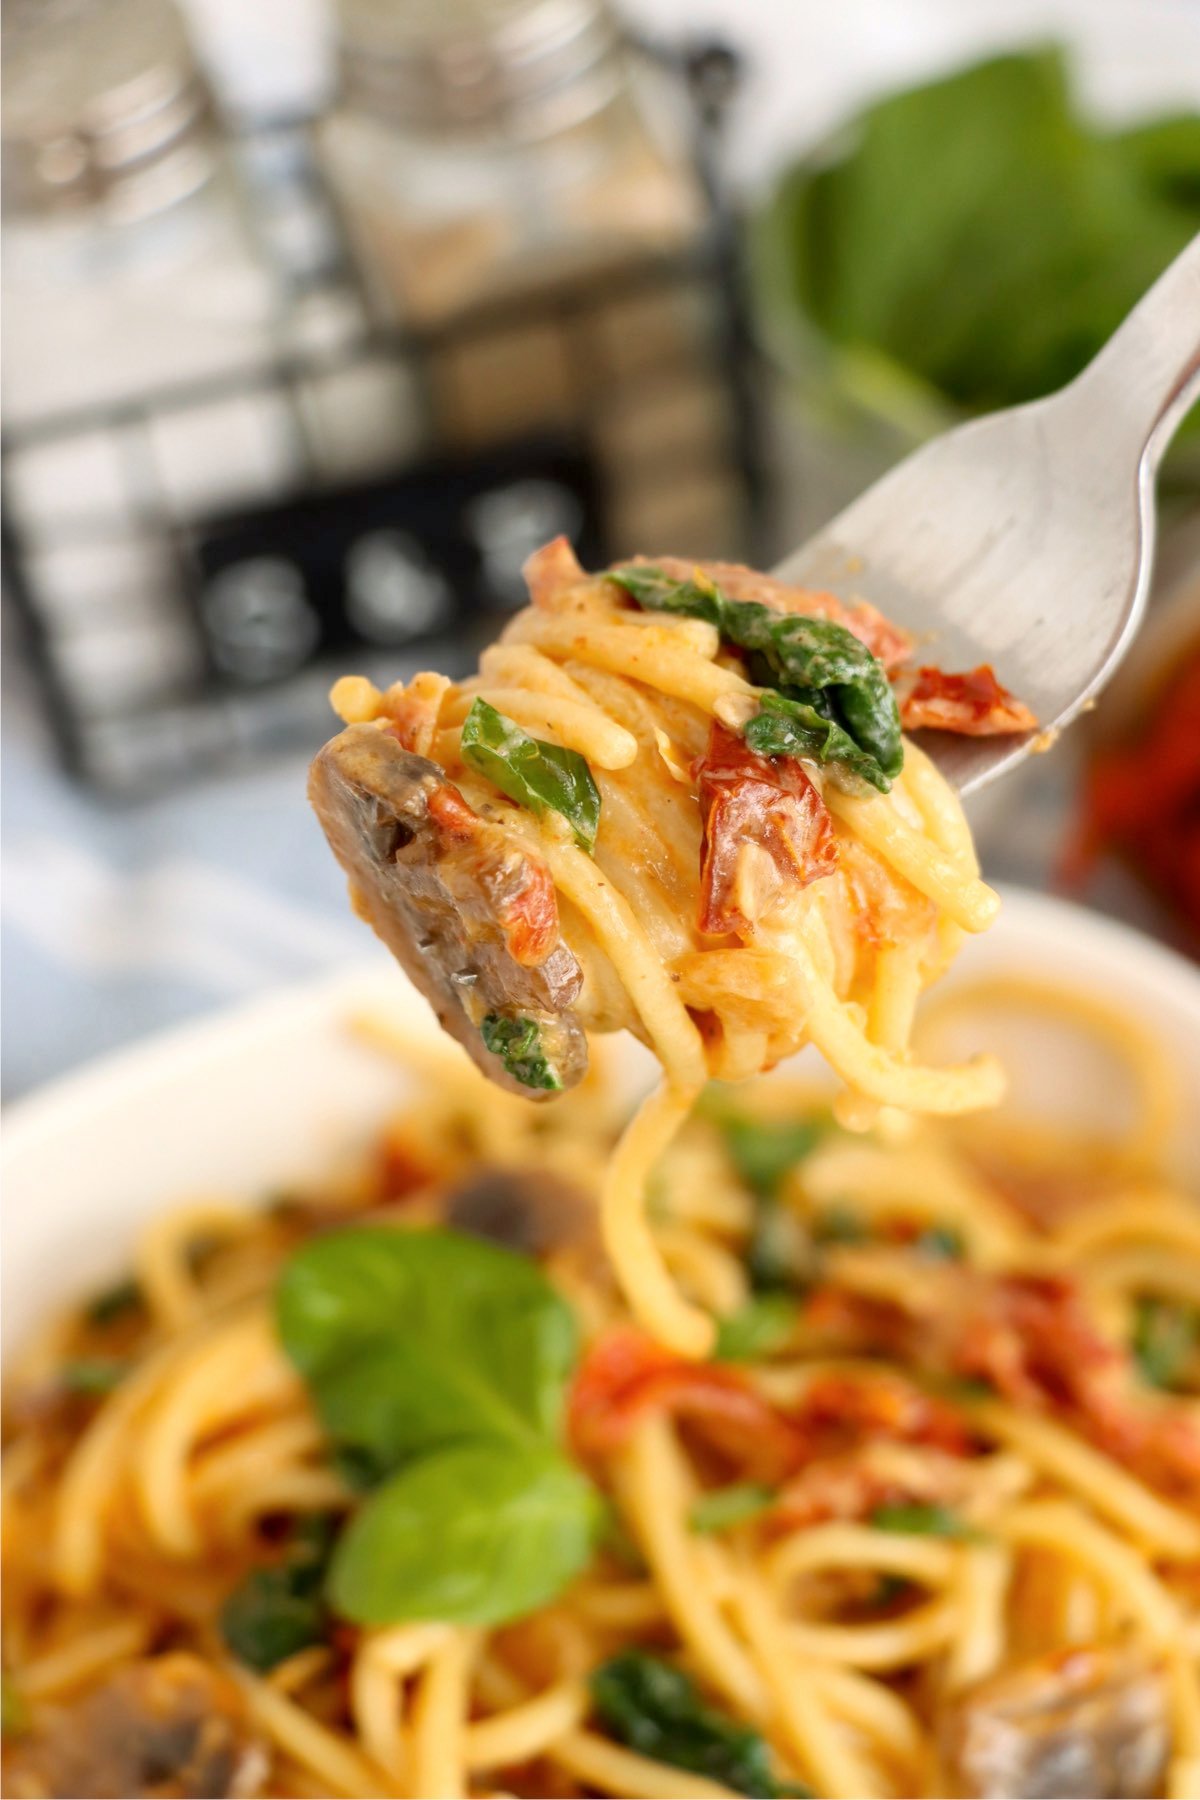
(1148, 374)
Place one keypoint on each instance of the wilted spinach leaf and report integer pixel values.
(533, 773)
(785, 726)
(763, 1151)
(281, 1609)
(840, 706)
(652, 1706)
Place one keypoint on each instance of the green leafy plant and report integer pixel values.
(440, 1362)
(840, 701)
(533, 773)
(649, 1704)
(281, 1609)
(518, 1044)
(974, 236)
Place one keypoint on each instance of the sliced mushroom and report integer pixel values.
(1084, 1722)
(170, 1728)
(530, 1210)
(466, 909)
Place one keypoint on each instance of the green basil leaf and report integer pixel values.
(415, 1339)
(1166, 1336)
(533, 773)
(728, 1506)
(757, 1329)
(518, 1044)
(843, 709)
(472, 1535)
(784, 726)
(649, 1704)
(922, 1520)
(279, 1610)
(93, 1376)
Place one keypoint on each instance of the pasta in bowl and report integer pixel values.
(382, 1489)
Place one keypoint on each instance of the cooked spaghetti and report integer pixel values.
(674, 800)
(277, 1523)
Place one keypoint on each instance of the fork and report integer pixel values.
(1026, 539)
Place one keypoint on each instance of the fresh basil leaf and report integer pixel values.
(415, 1339)
(757, 1329)
(473, 1535)
(279, 1610)
(785, 726)
(1166, 1336)
(93, 1376)
(113, 1303)
(728, 1506)
(922, 1520)
(656, 1709)
(518, 1044)
(841, 705)
(533, 773)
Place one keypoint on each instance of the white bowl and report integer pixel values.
(265, 1094)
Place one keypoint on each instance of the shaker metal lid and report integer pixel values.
(95, 92)
(520, 68)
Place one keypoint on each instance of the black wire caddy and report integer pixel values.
(221, 647)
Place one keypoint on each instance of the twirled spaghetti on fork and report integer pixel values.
(674, 800)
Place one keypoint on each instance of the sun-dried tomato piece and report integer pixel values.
(973, 704)
(765, 827)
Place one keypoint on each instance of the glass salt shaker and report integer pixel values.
(483, 147)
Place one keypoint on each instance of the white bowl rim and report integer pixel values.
(88, 1090)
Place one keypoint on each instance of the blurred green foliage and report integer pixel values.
(978, 232)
